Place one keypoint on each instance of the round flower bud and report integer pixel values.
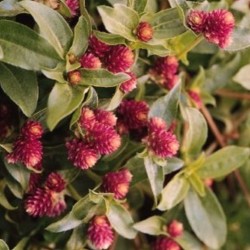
(58, 204)
(100, 233)
(119, 59)
(144, 31)
(133, 114)
(87, 118)
(73, 6)
(90, 61)
(81, 154)
(117, 183)
(55, 182)
(219, 27)
(157, 123)
(74, 77)
(196, 20)
(175, 228)
(105, 117)
(195, 97)
(98, 47)
(130, 84)
(165, 243)
(104, 139)
(32, 130)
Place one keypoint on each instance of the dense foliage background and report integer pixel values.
(124, 124)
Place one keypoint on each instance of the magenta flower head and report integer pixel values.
(34, 182)
(105, 117)
(58, 204)
(100, 233)
(196, 20)
(119, 59)
(98, 47)
(219, 27)
(87, 118)
(32, 130)
(160, 142)
(130, 84)
(133, 114)
(104, 139)
(55, 182)
(195, 97)
(90, 61)
(165, 243)
(144, 31)
(117, 183)
(81, 154)
(26, 151)
(175, 228)
(73, 6)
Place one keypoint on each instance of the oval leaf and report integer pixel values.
(173, 193)
(28, 50)
(243, 76)
(121, 220)
(21, 86)
(224, 161)
(52, 25)
(3, 245)
(63, 100)
(206, 218)
(120, 20)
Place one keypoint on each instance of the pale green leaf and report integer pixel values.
(26, 50)
(3, 245)
(116, 99)
(120, 20)
(155, 176)
(52, 25)
(21, 244)
(101, 78)
(154, 225)
(10, 8)
(21, 86)
(121, 220)
(174, 192)
(206, 218)
(197, 130)
(108, 38)
(224, 161)
(188, 242)
(173, 164)
(63, 100)
(243, 77)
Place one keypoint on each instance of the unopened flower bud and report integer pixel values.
(74, 77)
(175, 228)
(144, 31)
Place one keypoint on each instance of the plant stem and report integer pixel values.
(219, 137)
(197, 40)
(232, 94)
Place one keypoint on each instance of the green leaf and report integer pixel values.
(26, 50)
(3, 199)
(120, 20)
(108, 38)
(77, 239)
(101, 78)
(138, 6)
(154, 49)
(240, 39)
(20, 173)
(197, 184)
(116, 99)
(197, 131)
(121, 220)
(206, 218)
(173, 164)
(63, 100)
(189, 242)
(81, 36)
(155, 176)
(3, 245)
(166, 107)
(154, 225)
(167, 23)
(14, 187)
(68, 222)
(243, 77)
(21, 86)
(174, 192)
(52, 25)
(21, 244)
(224, 161)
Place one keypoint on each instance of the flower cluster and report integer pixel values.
(100, 138)
(115, 58)
(165, 70)
(100, 234)
(216, 26)
(174, 229)
(160, 141)
(27, 148)
(117, 183)
(47, 200)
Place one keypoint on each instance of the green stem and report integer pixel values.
(197, 40)
(73, 192)
(82, 6)
(93, 176)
